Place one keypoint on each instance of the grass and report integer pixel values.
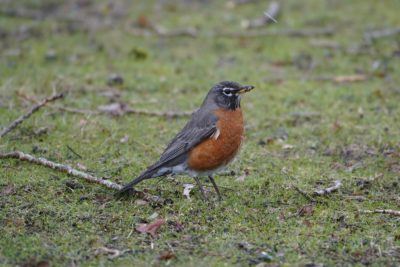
(347, 131)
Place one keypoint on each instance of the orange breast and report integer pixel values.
(222, 147)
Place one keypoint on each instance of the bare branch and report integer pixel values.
(78, 111)
(377, 34)
(111, 252)
(285, 32)
(163, 32)
(328, 190)
(119, 109)
(391, 212)
(76, 173)
(59, 167)
(304, 193)
(30, 112)
(168, 114)
(190, 32)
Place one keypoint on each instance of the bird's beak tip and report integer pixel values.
(246, 88)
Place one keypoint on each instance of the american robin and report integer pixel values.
(207, 143)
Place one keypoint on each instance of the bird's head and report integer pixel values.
(227, 94)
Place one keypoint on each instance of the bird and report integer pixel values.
(206, 144)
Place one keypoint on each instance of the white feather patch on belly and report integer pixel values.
(216, 134)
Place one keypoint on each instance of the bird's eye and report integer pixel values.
(227, 91)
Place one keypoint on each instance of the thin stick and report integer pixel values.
(76, 173)
(328, 190)
(377, 34)
(305, 194)
(162, 32)
(59, 167)
(124, 110)
(391, 212)
(73, 152)
(285, 32)
(167, 114)
(78, 111)
(328, 31)
(29, 113)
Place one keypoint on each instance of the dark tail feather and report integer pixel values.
(128, 188)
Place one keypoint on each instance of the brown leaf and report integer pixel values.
(307, 223)
(8, 190)
(166, 255)
(307, 210)
(150, 228)
(350, 78)
(143, 22)
(43, 263)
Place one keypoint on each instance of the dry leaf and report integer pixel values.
(8, 190)
(187, 188)
(307, 223)
(150, 228)
(350, 78)
(307, 210)
(167, 255)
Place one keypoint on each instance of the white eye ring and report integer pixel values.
(227, 91)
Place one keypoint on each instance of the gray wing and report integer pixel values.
(201, 126)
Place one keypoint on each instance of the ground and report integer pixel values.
(325, 108)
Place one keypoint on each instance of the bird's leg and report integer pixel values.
(215, 187)
(201, 187)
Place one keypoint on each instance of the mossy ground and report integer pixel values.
(346, 131)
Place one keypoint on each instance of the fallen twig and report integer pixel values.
(73, 152)
(29, 113)
(60, 167)
(304, 193)
(324, 43)
(76, 173)
(191, 32)
(120, 109)
(188, 32)
(168, 114)
(162, 32)
(270, 15)
(377, 34)
(285, 32)
(391, 212)
(78, 111)
(322, 78)
(328, 190)
(235, 3)
(112, 253)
